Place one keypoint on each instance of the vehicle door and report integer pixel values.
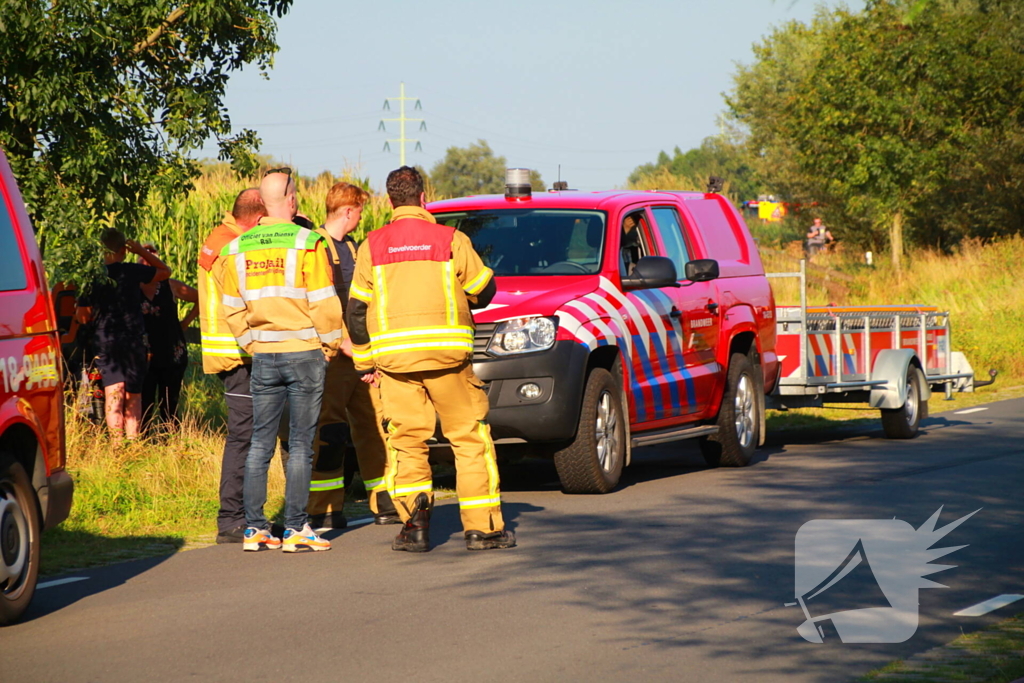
(656, 364)
(695, 313)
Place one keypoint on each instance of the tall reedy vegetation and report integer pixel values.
(179, 226)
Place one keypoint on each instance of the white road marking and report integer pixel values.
(60, 582)
(969, 411)
(990, 605)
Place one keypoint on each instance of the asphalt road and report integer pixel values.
(682, 574)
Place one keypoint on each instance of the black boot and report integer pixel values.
(386, 512)
(415, 534)
(334, 519)
(478, 540)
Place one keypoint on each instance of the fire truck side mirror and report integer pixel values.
(651, 272)
(702, 270)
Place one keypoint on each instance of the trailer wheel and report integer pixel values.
(739, 418)
(593, 462)
(903, 423)
(19, 540)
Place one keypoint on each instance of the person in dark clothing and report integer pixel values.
(223, 357)
(116, 307)
(168, 354)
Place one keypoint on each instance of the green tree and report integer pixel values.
(101, 102)
(473, 170)
(888, 114)
(724, 156)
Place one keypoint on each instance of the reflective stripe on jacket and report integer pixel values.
(221, 352)
(415, 276)
(278, 296)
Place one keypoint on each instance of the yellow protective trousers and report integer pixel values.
(457, 397)
(350, 400)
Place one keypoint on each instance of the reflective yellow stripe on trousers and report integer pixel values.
(327, 484)
(493, 497)
(375, 484)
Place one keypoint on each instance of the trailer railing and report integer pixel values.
(865, 321)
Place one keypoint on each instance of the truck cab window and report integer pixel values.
(12, 270)
(635, 242)
(671, 230)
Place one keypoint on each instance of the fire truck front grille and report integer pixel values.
(484, 331)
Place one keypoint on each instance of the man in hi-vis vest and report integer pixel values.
(410, 324)
(280, 304)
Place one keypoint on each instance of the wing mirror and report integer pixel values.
(652, 272)
(702, 270)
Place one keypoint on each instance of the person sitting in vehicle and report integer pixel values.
(631, 249)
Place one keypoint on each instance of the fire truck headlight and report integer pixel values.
(523, 335)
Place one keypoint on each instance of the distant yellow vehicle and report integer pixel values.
(771, 212)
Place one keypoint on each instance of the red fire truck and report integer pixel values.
(622, 319)
(35, 489)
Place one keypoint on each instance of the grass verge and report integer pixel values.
(992, 655)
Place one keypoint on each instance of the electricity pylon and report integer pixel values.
(402, 120)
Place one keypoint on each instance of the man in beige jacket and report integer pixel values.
(281, 306)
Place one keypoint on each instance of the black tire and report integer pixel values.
(739, 418)
(904, 422)
(20, 529)
(593, 462)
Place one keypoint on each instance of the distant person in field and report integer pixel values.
(168, 354)
(818, 238)
(116, 307)
(223, 357)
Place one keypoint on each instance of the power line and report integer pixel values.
(530, 143)
(402, 120)
(330, 119)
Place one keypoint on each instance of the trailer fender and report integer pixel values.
(892, 366)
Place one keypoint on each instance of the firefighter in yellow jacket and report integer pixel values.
(223, 357)
(410, 324)
(281, 306)
(347, 401)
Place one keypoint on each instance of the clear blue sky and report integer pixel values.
(599, 87)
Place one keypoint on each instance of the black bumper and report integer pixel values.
(59, 493)
(552, 416)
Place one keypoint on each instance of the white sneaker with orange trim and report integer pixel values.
(258, 539)
(307, 538)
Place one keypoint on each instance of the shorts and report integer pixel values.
(128, 365)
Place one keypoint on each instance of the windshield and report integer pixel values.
(533, 241)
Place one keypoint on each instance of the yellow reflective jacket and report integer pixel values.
(221, 352)
(278, 296)
(415, 277)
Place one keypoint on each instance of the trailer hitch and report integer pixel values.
(991, 373)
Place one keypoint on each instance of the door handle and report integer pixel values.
(712, 307)
(676, 313)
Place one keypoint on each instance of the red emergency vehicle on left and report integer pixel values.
(35, 489)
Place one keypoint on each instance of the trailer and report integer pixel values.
(889, 357)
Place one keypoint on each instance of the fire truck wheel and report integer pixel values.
(19, 540)
(593, 462)
(903, 423)
(739, 419)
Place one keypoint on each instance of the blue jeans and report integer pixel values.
(298, 379)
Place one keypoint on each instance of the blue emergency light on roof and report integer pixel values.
(517, 183)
